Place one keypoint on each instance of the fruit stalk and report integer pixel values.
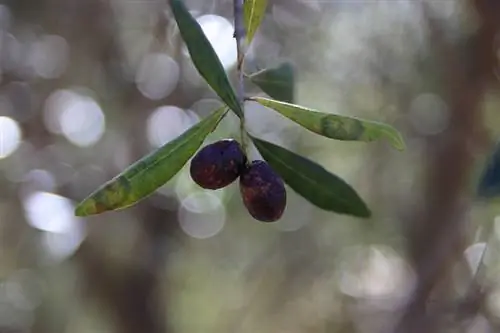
(239, 35)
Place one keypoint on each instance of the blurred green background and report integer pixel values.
(89, 86)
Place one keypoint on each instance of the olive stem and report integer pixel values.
(239, 35)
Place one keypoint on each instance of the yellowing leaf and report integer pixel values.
(149, 173)
(335, 126)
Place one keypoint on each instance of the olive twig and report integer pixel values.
(239, 35)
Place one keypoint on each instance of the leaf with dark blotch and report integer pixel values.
(313, 182)
(335, 126)
(149, 173)
(254, 11)
(204, 57)
(278, 83)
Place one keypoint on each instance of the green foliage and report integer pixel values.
(310, 180)
(204, 57)
(313, 182)
(149, 173)
(276, 82)
(335, 126)
(254, 11)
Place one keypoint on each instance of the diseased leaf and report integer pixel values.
(254, 11)
(204, 57)
(152, 171)
(313, 182)
(279, 82)
(335, 126)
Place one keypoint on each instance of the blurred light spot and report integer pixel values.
(10, 136)
(204, 107)
(49, 56)
(54, 108)
(365, 272)
(79, 118)
(474, 254)
(297, 214)
(193, 117)
(219, 32)
(24, 290)
(40, 180)
(429, 114)
(59, 246)
(185, 186)
(49, 212)
(54, 214)
(167, 123)
(83, 122)
(157, 76)
(202, 215)
(11, 52)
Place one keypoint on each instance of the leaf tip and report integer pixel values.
(399, 142)
(400, 145)
(365, 212)
(81, 210)
(89, 207)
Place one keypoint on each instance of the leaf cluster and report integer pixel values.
(320, 187)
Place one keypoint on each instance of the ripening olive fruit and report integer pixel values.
(263, 192)
(218, 164)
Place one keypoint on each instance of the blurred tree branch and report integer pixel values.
(435, 232)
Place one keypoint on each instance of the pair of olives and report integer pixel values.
(219, 164)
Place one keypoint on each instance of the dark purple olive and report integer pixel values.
(218, 164)
(263, 192)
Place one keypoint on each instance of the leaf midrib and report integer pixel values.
(250, 20)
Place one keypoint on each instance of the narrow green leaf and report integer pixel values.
(203, 56)
(335, 126)
(279, 82)
(254, 11)
(152, 171)
(313, 182)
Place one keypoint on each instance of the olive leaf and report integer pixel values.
(204, 57)
(278, 82)
(313, 182)
(152, 171)
(254, 11)
(335, 126)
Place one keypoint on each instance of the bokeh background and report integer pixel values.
(89, 86)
